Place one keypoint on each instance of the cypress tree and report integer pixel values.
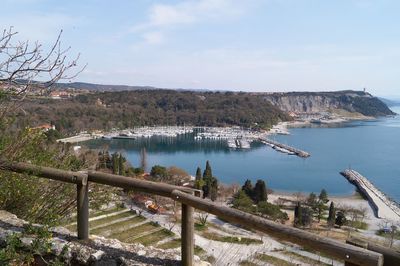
(214, 189)
(121, 168)
(108, 162)
(198, 174)
(207, 179)
(298, 215)
(115, 163)
(207, 172)
(332, 215)
(199, 182)
(260, 191)
(206, 191)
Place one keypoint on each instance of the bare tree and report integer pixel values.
(28, 67)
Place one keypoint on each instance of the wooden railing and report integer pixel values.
(352, 255)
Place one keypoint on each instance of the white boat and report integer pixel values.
(244, 144)
(231, 144)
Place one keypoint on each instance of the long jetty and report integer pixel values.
(284, 148)
(382, 205)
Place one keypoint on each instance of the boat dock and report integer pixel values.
(384, 207)
(284, 148)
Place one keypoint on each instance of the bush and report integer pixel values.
(272, 211)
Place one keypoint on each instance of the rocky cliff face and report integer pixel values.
(316, 102)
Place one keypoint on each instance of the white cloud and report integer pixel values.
(162, 17)
(187, 12)
(153, 37)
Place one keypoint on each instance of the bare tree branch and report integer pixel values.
(27, 68)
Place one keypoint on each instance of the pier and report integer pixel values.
(383, 207)
(284, 148)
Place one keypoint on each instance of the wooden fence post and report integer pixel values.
(83, 209)
(187, 243)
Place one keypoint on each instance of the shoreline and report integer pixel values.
(284, 193)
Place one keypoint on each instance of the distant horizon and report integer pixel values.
(389, 97)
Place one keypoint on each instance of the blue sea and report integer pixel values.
(370, 147)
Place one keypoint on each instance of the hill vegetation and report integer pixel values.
(124, 109)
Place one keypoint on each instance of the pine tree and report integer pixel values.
(260, 191)
(312, 199)
(332, 215)
(323, 196)
(248, 188)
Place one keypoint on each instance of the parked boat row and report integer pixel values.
(228, 133)
(147, 132)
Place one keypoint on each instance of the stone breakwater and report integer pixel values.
(284, 148)
(383, 207)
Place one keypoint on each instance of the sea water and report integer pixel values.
(370, 147)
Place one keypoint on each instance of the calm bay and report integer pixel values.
(370, 147)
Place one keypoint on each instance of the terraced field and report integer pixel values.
(126, 226)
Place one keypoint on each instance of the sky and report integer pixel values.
(246, 45)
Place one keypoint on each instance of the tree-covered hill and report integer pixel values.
(123, 109)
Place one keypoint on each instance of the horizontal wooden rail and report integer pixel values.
(42, 171)
(339, 250)
(161, 189)
(136, 184)
(390, 256)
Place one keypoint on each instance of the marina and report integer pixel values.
(383, 207)
(357, 143)
(147, 132)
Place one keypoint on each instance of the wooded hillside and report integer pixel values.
(123, 109)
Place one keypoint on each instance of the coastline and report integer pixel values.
(284, 127)
(282, 193)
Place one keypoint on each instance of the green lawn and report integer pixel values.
(153, 238)
(175, 243)
(231, 239)
(358, 224)
(104, 212)
(109, 219)
(382, 233)
(124, 235)
(118, 226)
